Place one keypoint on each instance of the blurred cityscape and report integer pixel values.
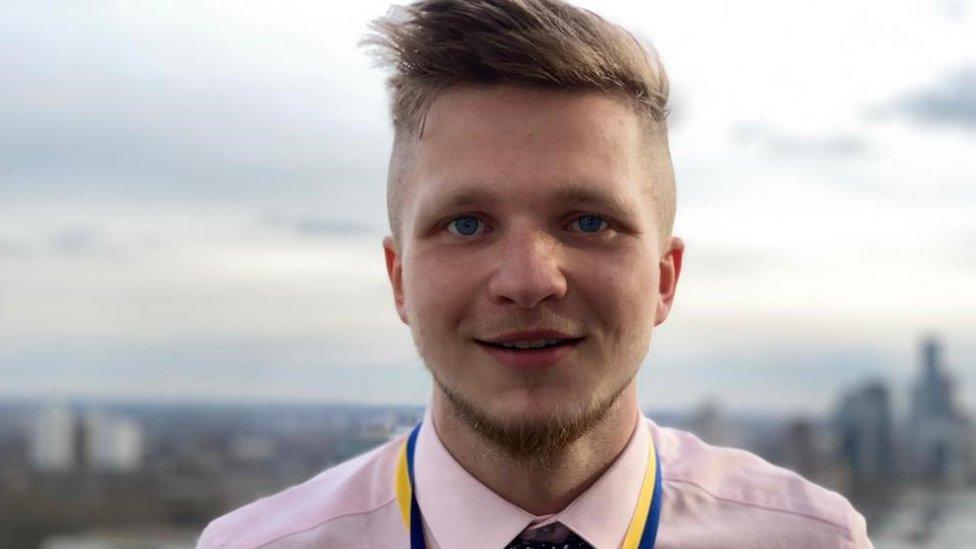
(105, 474)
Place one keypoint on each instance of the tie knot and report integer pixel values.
(551, 536)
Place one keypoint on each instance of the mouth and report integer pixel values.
(530, 350)
(531, 345)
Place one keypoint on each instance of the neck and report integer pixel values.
(536, 489)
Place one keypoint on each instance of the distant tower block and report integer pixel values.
(53, 439)
(863, 422)
(113, 443)
(63, 441)
(931, 354)
(939, 431)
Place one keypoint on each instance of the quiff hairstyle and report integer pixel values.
(435, 45)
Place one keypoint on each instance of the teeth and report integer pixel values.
(530, 344)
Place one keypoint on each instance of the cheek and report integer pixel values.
(438, 291)
(620, 295)
(621, 291)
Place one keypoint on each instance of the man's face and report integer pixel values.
(529, 210)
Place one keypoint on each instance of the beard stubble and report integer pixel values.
(535, 443)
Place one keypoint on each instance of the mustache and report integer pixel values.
(542, 320)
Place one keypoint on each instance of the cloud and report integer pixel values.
(950, 103)
(184, 150)
(74, 242)
(87, 242)
(266, 369)
(150, 104)
(955, 10)
(319, 225)
(12, 249)
(786, 145)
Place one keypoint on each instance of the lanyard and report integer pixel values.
(640, 534)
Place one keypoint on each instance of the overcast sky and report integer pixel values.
(192, 200)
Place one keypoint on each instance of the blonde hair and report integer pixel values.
(435, 45)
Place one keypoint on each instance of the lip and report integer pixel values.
(529, 334)
(530, 359)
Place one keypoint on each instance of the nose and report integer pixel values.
(528, 271)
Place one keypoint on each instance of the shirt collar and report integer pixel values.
(602, 513)
(455, 504)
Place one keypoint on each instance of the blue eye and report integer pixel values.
(465, 225)
(590, 223)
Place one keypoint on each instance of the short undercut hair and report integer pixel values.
(435, 45)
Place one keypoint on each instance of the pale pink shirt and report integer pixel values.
(712, 497)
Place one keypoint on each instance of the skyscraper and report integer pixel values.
(63, 441)
(113, 443)
(53, 439)
(939, 433)
(864, 429)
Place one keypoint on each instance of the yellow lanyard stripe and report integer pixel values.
(403, 488)
(637, 523)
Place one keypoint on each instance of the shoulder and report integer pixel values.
(759, 500)
(355, 487)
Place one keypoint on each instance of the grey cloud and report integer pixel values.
(839, 146)
(312, 226)
(166, 113)
(319, 225)
(86, 242)
(951, 102)
(192, 154)
(74, 242)
(90, 243)
(262, 369)
(12, 249)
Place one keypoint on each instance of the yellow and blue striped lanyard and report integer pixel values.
(640, 534)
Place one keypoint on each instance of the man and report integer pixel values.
(531, 201)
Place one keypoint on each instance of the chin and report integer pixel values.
(538, 409)
(530, 426)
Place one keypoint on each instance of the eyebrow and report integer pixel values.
(578, 193)
(591, 196)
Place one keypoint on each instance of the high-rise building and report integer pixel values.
(112, 443)
(708, 422)
(933, 392)
(865, 442)
(801, 452)
(63, 441)
(53, 439)
(939, 432)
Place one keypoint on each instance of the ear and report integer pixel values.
(670, 270)
(394, 268)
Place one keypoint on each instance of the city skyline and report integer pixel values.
(65, 467)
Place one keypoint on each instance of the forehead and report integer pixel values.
(509, 139)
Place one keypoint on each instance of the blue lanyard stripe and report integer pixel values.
(654, 515)
(416, 519)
